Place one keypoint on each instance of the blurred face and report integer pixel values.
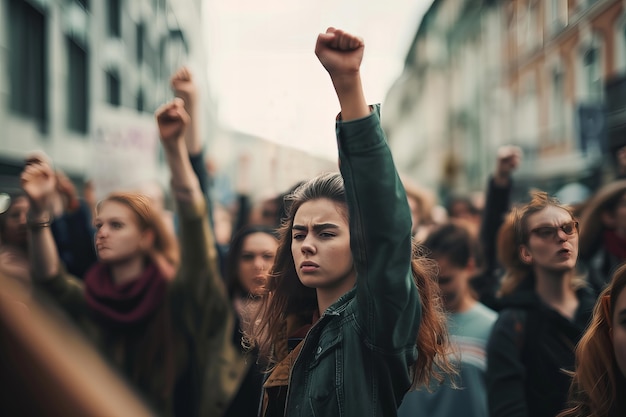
(118, 236)
(619, 332)
(454, 284)
(620, 216)
(257, 256)
(320, 246)
(15, 226)
(553, 240)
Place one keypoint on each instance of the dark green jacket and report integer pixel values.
(355, 360)
(209, 367)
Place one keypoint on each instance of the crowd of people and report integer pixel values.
(354, 293)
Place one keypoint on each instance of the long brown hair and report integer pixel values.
(287, 296)
(598, 385)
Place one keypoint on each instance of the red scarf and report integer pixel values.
(128, 303)
(615, 245)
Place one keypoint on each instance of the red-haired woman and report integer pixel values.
(165, 322)
(600, 378)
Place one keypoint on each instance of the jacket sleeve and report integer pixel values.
(506, 374)
(203, 298)
(497, 204)
(388, 306)
(67, 291)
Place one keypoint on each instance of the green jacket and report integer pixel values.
(355, 360)
(209, 366)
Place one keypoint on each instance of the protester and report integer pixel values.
(165, 322)
(72, 227)
(497, 205)
(469, 322)
(603, 233)
(184, 86)
(251, 255)
(70, 224)
(599, 381)
(13, 238)
(340, 323)
(545, 309)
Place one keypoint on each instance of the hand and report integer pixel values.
(172, 120)
(509, 158)
(339, 52)
(39, 182)
(183, 85)
(67, 191)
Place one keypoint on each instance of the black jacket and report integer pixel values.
(530, 348)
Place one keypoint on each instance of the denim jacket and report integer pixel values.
(355, 360)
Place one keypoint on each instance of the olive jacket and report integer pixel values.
(208, 366)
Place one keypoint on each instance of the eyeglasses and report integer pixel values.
(550, 232)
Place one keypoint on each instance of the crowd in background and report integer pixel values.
(524, 298)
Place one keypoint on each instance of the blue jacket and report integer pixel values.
(355, 360)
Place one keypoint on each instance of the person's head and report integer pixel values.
(315, 238)
(313, 253)
(600, 377)
(129, 227)
(540, 236)
(454, 249)
(462, 207)
(606, 210)
(13, 220)
(421, 202)
(250, 257)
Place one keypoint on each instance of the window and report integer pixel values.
(141, 29)
(114, 91)
(592, 74)
(558, 105)
(140, 101)
(114, 18)
(78, 87)
(556, 15)
(28, 62)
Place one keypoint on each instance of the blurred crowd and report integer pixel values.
(133, 306)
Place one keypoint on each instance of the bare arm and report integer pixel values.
(39, 182)
(509, 158)
(172, 120)
(184, 87)
(341, 54)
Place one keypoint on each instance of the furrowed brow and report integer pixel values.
(323, 226)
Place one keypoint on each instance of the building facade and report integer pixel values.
(485, 73)
(80, 80)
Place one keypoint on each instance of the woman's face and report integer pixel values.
(619, 331)
(15, 227)
(553, 240)
(257, 257)
(118, 236)
(320, 246)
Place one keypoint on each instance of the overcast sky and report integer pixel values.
(266, 78)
